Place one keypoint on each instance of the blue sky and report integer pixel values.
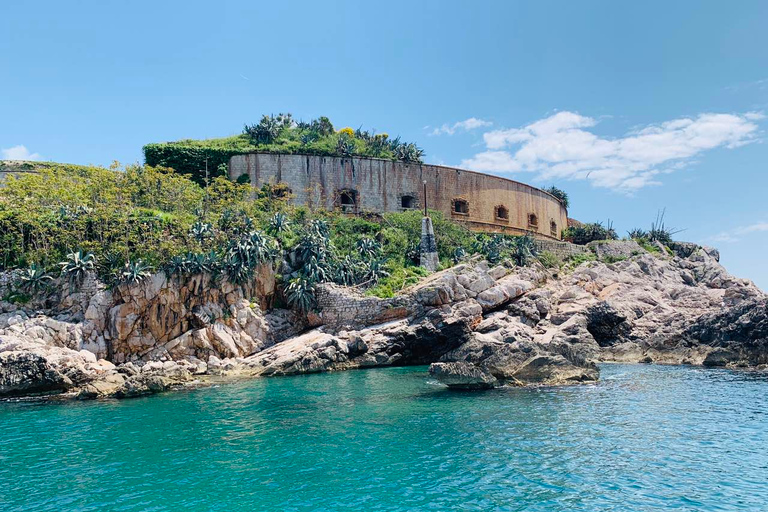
(630, 107)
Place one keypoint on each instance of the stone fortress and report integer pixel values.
(481, 202)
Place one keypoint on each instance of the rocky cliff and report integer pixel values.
(478, 326)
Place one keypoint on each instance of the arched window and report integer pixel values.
(501, 212)
(553, 228)
(408, 202)
(348, 200)
(460, 207)
(533, 220)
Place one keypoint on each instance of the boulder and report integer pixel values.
(462, 376)
(25, 373)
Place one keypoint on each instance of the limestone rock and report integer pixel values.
(462, 376)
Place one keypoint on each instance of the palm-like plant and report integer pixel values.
(34, 279)
(300, 294)
(134, 272)
(77, 265)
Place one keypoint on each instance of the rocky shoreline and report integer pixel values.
(476, 325)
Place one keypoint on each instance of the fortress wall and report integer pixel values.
(379, 185)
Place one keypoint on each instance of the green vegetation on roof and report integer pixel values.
(277, 134)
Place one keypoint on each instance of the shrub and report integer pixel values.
(578, 259)
(582, 235)
(549, 259)
(399, 279)
(613, 259)
(560, 194)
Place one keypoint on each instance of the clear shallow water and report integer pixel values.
(645, 438)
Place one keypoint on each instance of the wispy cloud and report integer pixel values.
(562, 146)
(18, 153)
(466, 125)
(761, 84)
(736, 234)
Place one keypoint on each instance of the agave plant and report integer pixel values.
(413, 252)
(177, 266)
(300, 294)
(459, 254)
(315, 270)
(492, 247)
(524, 250)
(637, 234)
(134, 272)
(237, 270)
(279, 223)
(348, 271)
(34, 279)
(200, 231)
(375, 270)
(368, 248)
(110, 266)
(407, 152)
(77, 265)
(345, 146)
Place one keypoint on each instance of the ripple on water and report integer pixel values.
(644, 438)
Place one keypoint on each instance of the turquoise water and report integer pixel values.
(644, 438)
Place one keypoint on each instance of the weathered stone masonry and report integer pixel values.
(480, 201)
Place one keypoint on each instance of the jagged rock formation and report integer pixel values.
(477, 326)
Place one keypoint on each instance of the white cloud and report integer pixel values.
(735, 234)
(561, 147)
(18, 153)
(466, 125)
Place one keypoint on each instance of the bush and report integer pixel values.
(582, 235)
(578, 259)
(275, 134)
(560, 194)
(549, 259)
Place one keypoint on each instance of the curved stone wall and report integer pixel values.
(481, 201)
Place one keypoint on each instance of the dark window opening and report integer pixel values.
(460, 206)
(533, 220)
(502, 213)
(348, 200)
(553, 228)
(408, 202)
